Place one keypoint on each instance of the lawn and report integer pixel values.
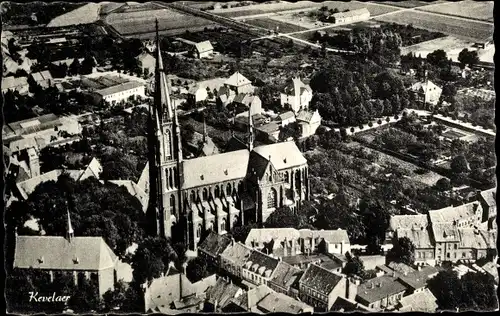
(468, 30)
(408, 4)
(274, 25)
(480, 10)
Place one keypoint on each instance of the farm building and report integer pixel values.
(350, 16)
(15, 84)
(426, 92)
(203, 49)
(253, 102)
(286, 118)
(296, 94)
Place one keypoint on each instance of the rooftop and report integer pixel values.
(379, 288)
(281, 303)
(204, 46)
(237, 80)
(285, 275)
(408, 221)
(215, 244)
(57, 253)
(452, 213)
(320, 279)
(222, 292)
(237, 253)
(282, 155)
(119, 88)
(423, 301)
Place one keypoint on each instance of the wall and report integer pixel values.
(106, 280)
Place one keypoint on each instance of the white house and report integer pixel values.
(121, 92)
(239, 83)
(197, 93)
(309, 122)
(286, 118)
(147, 61)
(203, 49)
(427, 92)
(296, 94)
(350, 16)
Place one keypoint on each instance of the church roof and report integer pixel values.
(282, 155)
(57, 253)
(215, 169)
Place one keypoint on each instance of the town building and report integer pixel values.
(174, 293)
(196, 94)
(285, 279)
(333, 263)
(239, 83)
(213, 246)
(283, 242)
(381, 293)
(201, 144)
(120, 92)
(252, 102)
(350, 16)
(81, 257)
(308, 122)
(43, 78)
(296, 94)
(196, 195)
(258, 269)
(147, 62)
(488, 200)
(12, 83)
(448, 234)
(203, 49)
(426, 92)
(220, 295)
(286, 118)
(233, 258)
(225, 96)
(263, 299)
(423, 301)
(320, 287)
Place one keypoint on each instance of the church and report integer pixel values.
(190, 197)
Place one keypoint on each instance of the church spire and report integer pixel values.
(250, 131)
(163, 104)
(70, 233)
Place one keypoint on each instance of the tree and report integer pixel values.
(284, 217)
(403, 251)
(86, 297)
(74, 68)
(443, 185)
(87, 65)
(438, 58)
(151, 259)
(459, 164)
(354, 266)
(197, 269)
(466, 57)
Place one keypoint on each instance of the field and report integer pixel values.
(408, 4)
(481, 10)
(169, 22)
(283, 6)
(272, 25)
(451, 45)
(468, 30)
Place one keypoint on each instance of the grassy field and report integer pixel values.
(139, 22)
(272, 24)
(481, 10)
(408, 4)
(469, 30)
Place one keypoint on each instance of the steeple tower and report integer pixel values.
(250, 131)
(70, 233)
(165, 153)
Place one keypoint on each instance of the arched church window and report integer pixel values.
(198, 231)
(205, 194)
(193, 196)
(217, 193)
(228, 189)
(168, 144)
(272, 199)
(172, 204)
(171, 179)
(223, 225)
(287, 177)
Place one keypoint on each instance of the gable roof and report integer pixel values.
(222, 292)
(330, 236)
(296, 86)
(261, 263)
(282, 155)
(286, 275)
(267, 234)
(57, 253)
(12, 82)
(145, 57)
(237, 253)
(420, 237)
(119, 88)
(93, 169)
(489, 197)
(408, 221)
(425, 86)
(214, 244)
(204, 46)
(286, 116)
(423, 301)
(281, 303)
(477, 239)
(237, 80)
(215, 169)
(308, 116)
(42, 76)
(451, 213)
(320, 279)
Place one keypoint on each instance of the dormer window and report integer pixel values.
(40, 260)
(202, 177)
(76, 260)
(226, 172)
